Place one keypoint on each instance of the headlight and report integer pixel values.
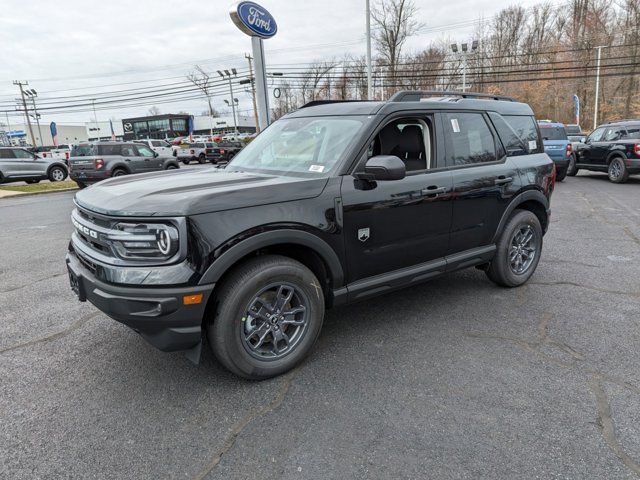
(142, 241)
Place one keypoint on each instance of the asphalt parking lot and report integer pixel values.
(456, 378)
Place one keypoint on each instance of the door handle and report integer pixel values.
(502, 180)
(433, 190)
(127, 159)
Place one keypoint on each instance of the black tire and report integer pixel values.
(202, 159)
(119, 172)
(227, 331)
(81, 185)
(186, 161)
(171, 166)
(572, 170)
(561, 174)
(617, 171)
(31, 182)
(57, 174)
(501, 269)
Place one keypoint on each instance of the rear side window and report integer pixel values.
(551, 132)
(633, 132)
(19, 153)
(109, 149)
(612, 134)
(525, 127)
(510, 139)
(6, 153)
(468, 139)
(83, 151)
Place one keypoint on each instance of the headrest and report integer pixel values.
(411, 140)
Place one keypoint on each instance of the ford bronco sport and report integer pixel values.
(333, 203)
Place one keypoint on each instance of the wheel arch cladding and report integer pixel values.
(617, 154)
(531, 200)
(302, 246)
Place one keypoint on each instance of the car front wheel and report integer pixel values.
(269, 314)
(572, 170)
(518, 250)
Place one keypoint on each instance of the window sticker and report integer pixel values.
(533, 145)
(455, 126)
(316, 168)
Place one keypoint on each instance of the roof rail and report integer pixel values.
(313, 103)
(416, 95)
(624, 120)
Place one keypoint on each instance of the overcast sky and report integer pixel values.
(74, 44)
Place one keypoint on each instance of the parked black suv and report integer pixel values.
(333, 203)
(613, 148)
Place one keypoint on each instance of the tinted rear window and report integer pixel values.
(110, 149)
(83, 150)
(526, 129)
(572, 129)
(549, 132)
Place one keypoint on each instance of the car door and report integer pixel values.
(147, 159)
(392, 225)
(483, 180)
(589, 154)
(10, 166)
(134, 162)
(31, 164)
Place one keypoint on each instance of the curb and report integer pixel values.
(30, 194)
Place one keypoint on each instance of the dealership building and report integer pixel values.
(177, 125)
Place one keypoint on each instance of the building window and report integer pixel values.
(140, 129)
(179, 124)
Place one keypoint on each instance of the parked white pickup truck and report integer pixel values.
(192, 151)
(161, 147)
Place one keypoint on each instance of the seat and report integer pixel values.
(410, 148)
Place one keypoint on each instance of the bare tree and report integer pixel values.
(154, 111)
(395, 21)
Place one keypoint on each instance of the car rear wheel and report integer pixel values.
(202, 158)
(518, 250)
(118, 172)
(561, 174)
(57, 174)
(572, 170)
(617, 171)
(172, 167)
(81, 185)
(269, 313)
(186, 161)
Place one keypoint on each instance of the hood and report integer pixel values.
(193, 191)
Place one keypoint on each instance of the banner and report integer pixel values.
(576, 108)
(113, 135)
(54, 133)
(190, 128)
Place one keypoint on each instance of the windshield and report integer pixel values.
(310, 146)
(553, 133)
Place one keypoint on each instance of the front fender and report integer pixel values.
(266, 239)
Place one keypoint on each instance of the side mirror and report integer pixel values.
(383, 167)
(156, 154)
(583, 140)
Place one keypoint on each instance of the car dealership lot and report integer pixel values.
(456, 378)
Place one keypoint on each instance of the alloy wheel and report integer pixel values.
(615, 169)
(57, 174)
(275, 321)
(522, 250)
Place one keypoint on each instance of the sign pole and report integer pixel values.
(262, 93)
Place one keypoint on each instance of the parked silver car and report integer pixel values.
(18, 164)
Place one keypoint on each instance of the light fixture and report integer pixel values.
(464, 47)
(233, 70)
(474, 45)
(226, 72)
(454, 47)
(220, 73)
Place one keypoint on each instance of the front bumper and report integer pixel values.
(158, 314)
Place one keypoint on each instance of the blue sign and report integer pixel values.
(576, 107)
(254, 20)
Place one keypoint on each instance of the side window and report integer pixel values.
(613, 134)
(156, 143)
(144, 151)
(128, 151)
(409, 139)
(510, 139)
(6, 153)
(19, 153)
(597, 134)
(526, 128)
(468, 139)
(109, 149)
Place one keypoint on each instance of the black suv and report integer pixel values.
(613, 148)
(333, 203)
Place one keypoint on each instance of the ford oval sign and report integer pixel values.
(253, 19)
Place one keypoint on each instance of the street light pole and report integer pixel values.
(95, 117)
(369, 80)
(463, 52)
(595, 107)
(32, 94)
(227, 75)
(253, 91)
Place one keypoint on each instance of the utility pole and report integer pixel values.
(227, 75)
(95, 118)
(24, 104)
(595, 109)
(32, 94)
(369, 80)
(253, 91)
